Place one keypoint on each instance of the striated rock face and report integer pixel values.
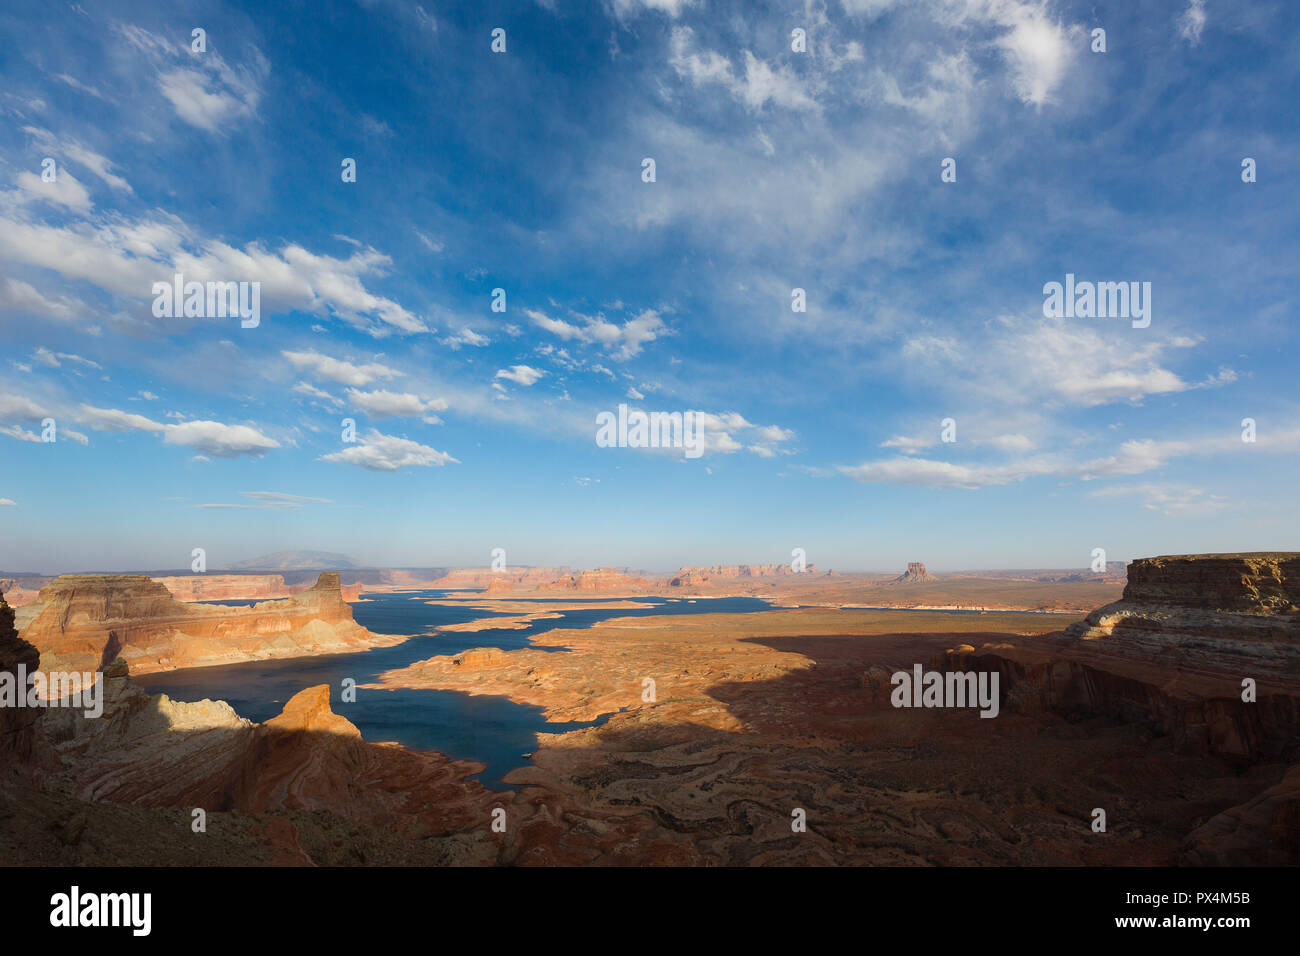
(915, 572)
(695, 575)
(82, 621)
(1227, 613)
(226, 587)
(599, 579)
(1261, 583)
(151, 751)
(483, 577)
(543, 579)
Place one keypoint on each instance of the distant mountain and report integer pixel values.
(295, 561)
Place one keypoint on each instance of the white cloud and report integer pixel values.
(1016, 442)
(337, 370)
(19, 433)
(384, 404)
(1175, 501)
(56, 359)
(1132, 458)
(218, 440)
(622, 341)
(203, 89)
(8, 503)
(379, 452)
(1038, 50)
(761, 84)
(65, 191)
(907, 444)
(1192, 23)
(212, 438)
(521, 374)
(465, 336)
(19, 296)
(19, 406)
(626, 9)
(95, 163)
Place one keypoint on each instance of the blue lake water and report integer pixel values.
(492, 730)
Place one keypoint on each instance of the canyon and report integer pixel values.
(719, 727)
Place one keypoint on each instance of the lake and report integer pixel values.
(493, 730)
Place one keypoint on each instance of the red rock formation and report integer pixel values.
(694, 575)
(154, 752)
(483, 577)
(599, 579)
(82, 621)
(227, 587)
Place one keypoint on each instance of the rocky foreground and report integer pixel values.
(725, 729)
(81, 622)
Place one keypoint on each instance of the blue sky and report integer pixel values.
(522, 170)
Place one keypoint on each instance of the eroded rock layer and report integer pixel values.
(82, 621)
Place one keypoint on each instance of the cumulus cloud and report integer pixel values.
(384, 404)
(521, 374)
(127, 256)
(380, 452)
(621, 341)
(208, 437)
(465, 336)
(338, 370)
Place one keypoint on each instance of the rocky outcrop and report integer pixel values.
(1225, 613)
(82, 621)
(150, 751)
(915, 572)
(1207, 647)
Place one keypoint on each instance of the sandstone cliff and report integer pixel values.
(83, 621)
(693, 575)
(598, 579)
(226, 587)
